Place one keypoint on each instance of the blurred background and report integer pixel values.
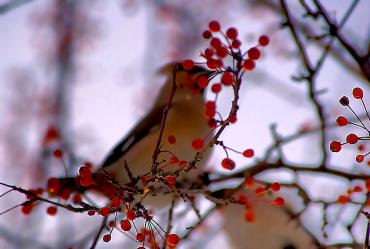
(89, 70)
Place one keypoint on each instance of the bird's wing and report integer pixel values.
(150, 123)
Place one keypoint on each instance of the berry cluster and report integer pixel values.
(259, 192)
(224, 46)
(352, 138)
(147, 237)
(344, 198)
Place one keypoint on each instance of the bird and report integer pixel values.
(132, 157)
(186, 121)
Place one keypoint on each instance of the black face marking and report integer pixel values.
(195, 70)
(289, 246)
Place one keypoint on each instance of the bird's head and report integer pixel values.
(187, 81)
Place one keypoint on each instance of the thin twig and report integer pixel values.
(163, 122)
(199, 222)
(97, 236)
(310, 78)
(362, 61)
(170, 219)
(35, 197)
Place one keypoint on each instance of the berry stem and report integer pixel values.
(367, 113)
(358, 118)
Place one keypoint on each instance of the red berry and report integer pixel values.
(182, 162)
(216, 43)
(360, 158)
(344, 101)
(264, 40)
(342, 199)
(125, 225)
(91, 212)
(171, 180)
(342, 121)
(131, 214)
(197, 144)
(174, 160)
(52, 210)
(254, 53)
(202, 81)
(53, 185)
(39, 191)
(249, 181)
(111, 223)
(116, 202)
(51, 135)
(208, 52)
(209, 113)
(173, 239)
(188, 64)
(221, 52)
(219, 63)
(335, 146)
(140, 237)
(211, 63)
(227, 79)
(107, 237)
(211, 105)
(232, 33)
(248, 153)
(216, 88)
(66, 193)
(236, 44)
(212, 123)
(358, 93)
(357, 188)
(58, 153)
(250, 216)
(279, 201)
(171, 139)
(207, 34)
(27, 209)
(275, 186)
(243, 199)
(214, 26)
(85, 176)
(233, 119)
(228, 164)
(248, 65)
(352, 138)
(77, 198)
(105, 211)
